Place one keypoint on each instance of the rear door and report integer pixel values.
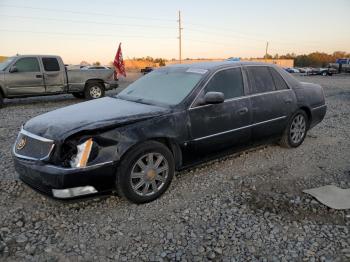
(218, 126)
(54, 75)
(271, 101)
(27, 80)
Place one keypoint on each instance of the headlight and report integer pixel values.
(83, 154)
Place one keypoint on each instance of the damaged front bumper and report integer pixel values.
(59, 182)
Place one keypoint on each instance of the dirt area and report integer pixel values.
(247, 206)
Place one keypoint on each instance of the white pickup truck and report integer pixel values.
(36, 75)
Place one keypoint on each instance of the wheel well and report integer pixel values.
(174, 149)
(100, 81)
(307, 111)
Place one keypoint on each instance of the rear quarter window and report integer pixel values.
(277, 78)
(51, 64)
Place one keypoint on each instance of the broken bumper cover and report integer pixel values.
(61, 182)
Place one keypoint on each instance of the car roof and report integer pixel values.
(219, 64)
(213, 66)
(55, 56)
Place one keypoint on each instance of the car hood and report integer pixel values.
(104, 112)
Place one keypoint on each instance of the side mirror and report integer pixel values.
(13, 69)
(214, 98)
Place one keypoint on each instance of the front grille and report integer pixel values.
(30, 146)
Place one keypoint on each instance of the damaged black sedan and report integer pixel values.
(168, 120)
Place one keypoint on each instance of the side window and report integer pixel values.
(229, 82)
(27, 64)
(51, 64)
(260, 79)
(279, 81)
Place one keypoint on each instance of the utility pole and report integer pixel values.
(267, 46)
(180, 38)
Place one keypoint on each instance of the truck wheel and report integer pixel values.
(145, 172)
(78, 95)
(1, 101)
(324, 73)
(296, 130)
(94, 90)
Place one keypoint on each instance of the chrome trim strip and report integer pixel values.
(73, 192)
(318, 107)
(43, 139)
(243, 97)
(240, 128)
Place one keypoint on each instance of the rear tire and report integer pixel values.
(94, 90)
(78, 95)
(145, 172)
(295, 131)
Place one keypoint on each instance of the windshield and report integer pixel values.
(168, 86)
(3, 65)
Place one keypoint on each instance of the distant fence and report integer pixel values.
(280, 62)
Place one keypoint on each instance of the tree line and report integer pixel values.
(315, 59)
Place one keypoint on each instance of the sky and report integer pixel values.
(86, 30)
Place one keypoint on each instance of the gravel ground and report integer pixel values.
(248, 206)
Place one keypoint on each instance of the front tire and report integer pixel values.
(145, 172)
(296, 130)
(94, 90)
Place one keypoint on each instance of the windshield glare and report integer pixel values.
(4, 64)
(166, 86)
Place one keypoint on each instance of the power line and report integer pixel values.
(83, 21)
(83, 34)
(88, 13)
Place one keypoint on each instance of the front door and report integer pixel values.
(219, 126)
(27, 79)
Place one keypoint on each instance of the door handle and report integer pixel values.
(242, 111)
(288, 101)
(39, 76)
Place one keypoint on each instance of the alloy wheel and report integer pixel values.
(298, 129)
(149, 174)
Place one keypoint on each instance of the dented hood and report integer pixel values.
(61, 123)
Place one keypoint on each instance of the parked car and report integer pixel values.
(292, 70)
(306, 70)
(341, 65)
(35, 75)
(326, 71)
(146, 70)
(170, 119)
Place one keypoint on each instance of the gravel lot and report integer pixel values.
(248, 206)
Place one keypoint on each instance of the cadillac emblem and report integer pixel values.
(21, 143)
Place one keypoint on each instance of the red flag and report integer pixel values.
(119, 62)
